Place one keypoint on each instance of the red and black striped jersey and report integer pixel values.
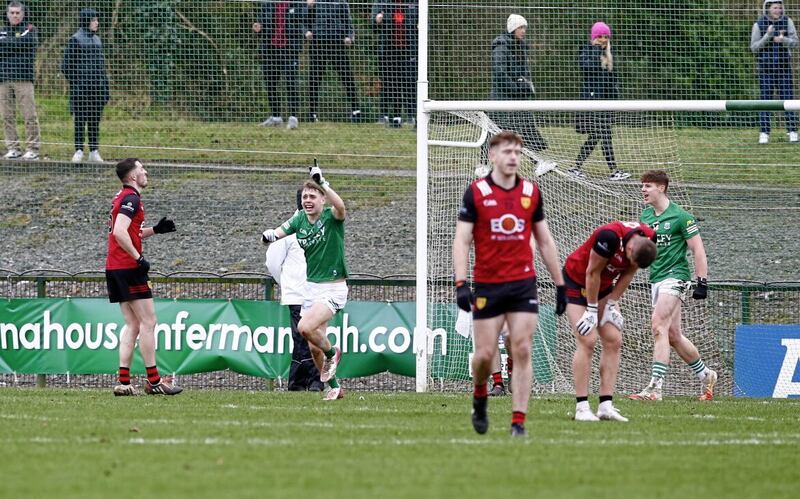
(607, 241)
(128, 203)
(503, 221)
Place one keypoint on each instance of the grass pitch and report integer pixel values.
(76, 443)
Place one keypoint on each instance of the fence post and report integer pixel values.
(41, 292)
(745, 306)
(268, 285)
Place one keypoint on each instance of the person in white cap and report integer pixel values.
(511, 80)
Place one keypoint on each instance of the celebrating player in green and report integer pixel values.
(320, 232)
(676, 230)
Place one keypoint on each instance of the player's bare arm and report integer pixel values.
(339, 210)
(548, 250)
(593, 271)
(622, 283)
(461, 244)
(120, 232)
(698, 250)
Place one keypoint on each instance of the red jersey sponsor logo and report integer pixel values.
(502, 231)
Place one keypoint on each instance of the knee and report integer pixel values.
(613, 343)
(586, 345)
(482, 357)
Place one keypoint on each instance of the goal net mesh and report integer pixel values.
(574, 207)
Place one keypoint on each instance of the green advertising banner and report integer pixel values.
(82, 335)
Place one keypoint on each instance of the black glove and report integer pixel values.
(701, 289)
(143, 264)
(464, 296)
(561, 300)
(163, 226)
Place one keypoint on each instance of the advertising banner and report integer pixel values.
(767, 361)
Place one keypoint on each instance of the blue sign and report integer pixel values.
(767, 361)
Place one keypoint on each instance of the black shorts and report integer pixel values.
(128, 285)
(576, 293)
(493, 299)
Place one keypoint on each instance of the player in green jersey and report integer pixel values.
(670, 276)
(320, 232)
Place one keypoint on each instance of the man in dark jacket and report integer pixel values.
(511, 80)
(395, 23)
(281, 26)
(18, 43)
(772, 36)
(84, 67)
(331, 33)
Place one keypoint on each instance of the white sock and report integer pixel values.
(702, 375)
(605, 405)
(583, 406)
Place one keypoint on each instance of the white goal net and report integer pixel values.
(574, 207)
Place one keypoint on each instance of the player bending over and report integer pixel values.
(614, 252)
(676, 230)
(320, 232)
(499, 214)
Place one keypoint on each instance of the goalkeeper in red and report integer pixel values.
(676, 230)
(320, 232)
(498, 214)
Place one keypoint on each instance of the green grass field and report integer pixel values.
(87, 443)
(715, 155)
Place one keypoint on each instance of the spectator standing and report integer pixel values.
(84, 67)
(772, 36)
(286, 262)
(599, 82)
(18, 43)
(331, 33)
(280, 26)
(395, 23)
(511, 80)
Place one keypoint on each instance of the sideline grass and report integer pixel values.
(76, 443)
(714, 155)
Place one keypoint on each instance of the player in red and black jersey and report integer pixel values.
(499, 213)
(596, 276)
(127, 280)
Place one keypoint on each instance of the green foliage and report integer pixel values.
(88, 444)
(198, 59)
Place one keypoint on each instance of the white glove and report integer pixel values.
(269, 236)
(588, 320)
(612, 314)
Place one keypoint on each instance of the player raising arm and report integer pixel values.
(499, 214)
(320, 232)
(614, 252)
(676, 230)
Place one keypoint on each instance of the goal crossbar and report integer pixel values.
(611, 105)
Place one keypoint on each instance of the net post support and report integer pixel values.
(421, 304)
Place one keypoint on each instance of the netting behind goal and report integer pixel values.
(574, 207)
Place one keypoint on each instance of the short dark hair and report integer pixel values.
(310, 184)
(505, 136)
(126, 166)
(659, 177)
(645, 253)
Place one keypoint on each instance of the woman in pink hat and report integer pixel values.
(599, 82)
